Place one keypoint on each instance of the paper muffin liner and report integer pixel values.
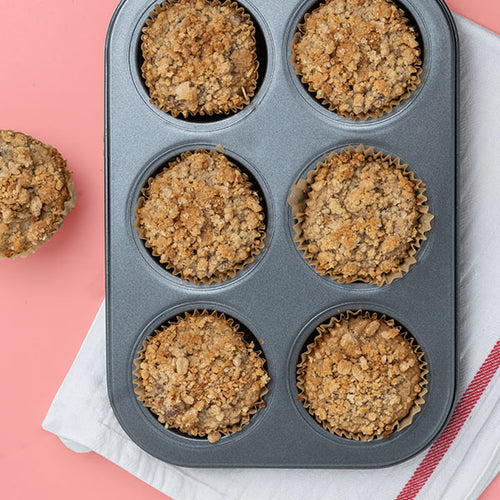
(227, 430)
(68, 206)
(398, 425)
(219, 277)
(245, 16)
(298, 199)
(412, 85)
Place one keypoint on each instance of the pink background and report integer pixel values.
(51, 87)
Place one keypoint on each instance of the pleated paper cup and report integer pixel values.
(397, 425)
(298, 202)
(167, 105)
(218, 277)
(69, 204)
(323, 96)
(223, 428)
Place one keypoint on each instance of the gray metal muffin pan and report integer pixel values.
(279, 297)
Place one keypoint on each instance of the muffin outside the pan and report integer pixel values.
(201, 217)
(361, 216)
(200, 57)
(362, 377)
(199, 376)
(359, 57)
(36, 193)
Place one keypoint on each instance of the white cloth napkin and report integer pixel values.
(82, 417)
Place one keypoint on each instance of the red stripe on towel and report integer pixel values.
(462, 411)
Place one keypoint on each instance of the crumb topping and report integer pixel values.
(361, 217)
(202, 217)
(361, 377)
(200, 57)
(359, 56)
(201, 377)
(33, 193)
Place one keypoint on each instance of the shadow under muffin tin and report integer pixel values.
(278, 138)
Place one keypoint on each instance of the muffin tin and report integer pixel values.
(278, 298)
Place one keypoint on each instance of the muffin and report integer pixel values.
(200, 377)
(200, 57)
(362, 377)
(359, 57)
(36, 193)
(361, 217)
(201, 217)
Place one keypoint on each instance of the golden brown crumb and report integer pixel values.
(35, 188)
(361, 218)
(361, 376)
(360, 57)
(198, 375)
(199, 57)
(202, 217)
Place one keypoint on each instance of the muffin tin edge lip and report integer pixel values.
(168, 315)
(161, 160)
(225, 121)
(364, 287)
(303, 338)
(330, 116)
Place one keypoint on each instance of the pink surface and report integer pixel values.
(51, 86)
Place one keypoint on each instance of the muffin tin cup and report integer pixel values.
(324, 102)
(160, 7)
(222, 276)
(249, 340)
(297, 202)
(265, 68)
(279, 297)
(398, 425)
(161, 163)
(150, 419)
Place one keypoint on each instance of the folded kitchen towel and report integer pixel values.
(464, 459)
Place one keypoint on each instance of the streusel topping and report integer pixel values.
(361, 376)
(202, 217)
(360, 57)
(34, 189)
(361, 217)
(199, 376)
(200, 57)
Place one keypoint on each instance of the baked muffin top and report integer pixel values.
(202, 217)
(198, 375)
(360, 377)
(35, 188)
(360, 57)
(361, 217)
(200, 57)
